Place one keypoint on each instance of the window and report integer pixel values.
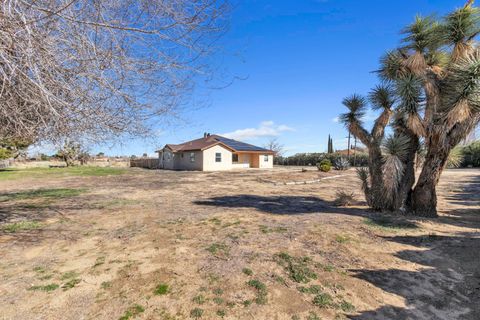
(218, 157)
(192, 156)
(234, 157)
(265, 158)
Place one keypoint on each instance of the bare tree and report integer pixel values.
(275, 146)
(99, 69)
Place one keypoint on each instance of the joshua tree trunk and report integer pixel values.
(424, 197)
(376, 176)
(403, 201)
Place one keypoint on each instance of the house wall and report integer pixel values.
(184, 162)
(168, 158)
(209, 163)
(257, 160)
(205, 160)
(265, 164)
(243, 161)
(254, 163)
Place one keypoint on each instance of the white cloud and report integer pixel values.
(336, 119)
(265, 129)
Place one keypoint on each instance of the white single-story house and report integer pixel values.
(214, 153)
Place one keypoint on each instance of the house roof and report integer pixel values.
(212, 140)
(352, 151)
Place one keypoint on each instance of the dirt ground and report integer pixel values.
(152, 244)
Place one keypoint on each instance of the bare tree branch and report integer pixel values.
(100, 69)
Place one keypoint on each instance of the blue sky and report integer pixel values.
(297, 59)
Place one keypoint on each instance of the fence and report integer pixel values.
(148, 163)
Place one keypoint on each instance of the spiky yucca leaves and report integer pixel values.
(422, 34)
(363, 175)
(382, 97)
(461, 26)
(357, 106)
(395, 150)
(455, 158)
(409, 91)
(352, 120)
(437, 61)
(422, 37)
(392, 66)
(461, 89)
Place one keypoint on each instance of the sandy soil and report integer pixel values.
(208, 236)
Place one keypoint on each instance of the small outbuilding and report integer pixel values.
(214, 153)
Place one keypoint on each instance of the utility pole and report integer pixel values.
(355, 151)
(348, 151)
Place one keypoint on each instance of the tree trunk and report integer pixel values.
(403, 200)
(376, 176)
(424, 197)
(348, 147)
(68, 161)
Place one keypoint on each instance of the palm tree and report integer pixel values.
(435, 80)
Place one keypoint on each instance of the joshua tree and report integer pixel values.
(431, 93)
(380, 98)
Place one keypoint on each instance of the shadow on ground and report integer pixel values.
(447, 285)
(466, 194)
(288, 205)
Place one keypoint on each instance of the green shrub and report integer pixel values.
(161, 289)
(132, 312)
(323, 300)
(47, 288)
(21, 226)
(357, 159)
(297, 267)
(247, 271)
(261, 291)
(200, 299)
(471, 155)
(346, 306)
(71, 283)
(325, 165)
(313, 289)
(196, 313)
